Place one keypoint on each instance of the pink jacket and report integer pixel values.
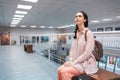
(81, 53)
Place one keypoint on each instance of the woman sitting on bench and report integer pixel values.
(81, 57)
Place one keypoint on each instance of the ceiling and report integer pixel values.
(58, 12)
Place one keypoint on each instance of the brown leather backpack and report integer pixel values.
(98, 49)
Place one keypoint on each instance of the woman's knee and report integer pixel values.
(60, 68)
(64, 71)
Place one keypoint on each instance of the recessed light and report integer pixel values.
(23, 26)
(34, 1)
(106, 19)
(71, 25)
(61, 27)
(50, 27)
(12, 25)
(21, 12)
(42, 26)
(66, 26)
(117, 16)
(20, 6)
(19, 16)
(95, 21)
(33, 26)
(15, 18)
(15, 22)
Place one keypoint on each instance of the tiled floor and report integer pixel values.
(15, 64)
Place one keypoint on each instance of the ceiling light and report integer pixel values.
(15, 21)
(21, 12)
(23, 26)
(117, 16)
(51, 27)
(106, 19)
(66, 26)
(95, 21)
(12, 25)
(20, 6)
(60, 27)
(71, 25)
(19, 16)
(33, 26)
(34, 1)
(42, 26)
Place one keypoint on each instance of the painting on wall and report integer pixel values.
(61, 39)
(108, 29)
(117, 28)
(5, 39)
(44, 39)
(100, 29)
(33, 39)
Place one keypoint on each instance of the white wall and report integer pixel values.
(97, 25)
(104, 25)
(15, 33)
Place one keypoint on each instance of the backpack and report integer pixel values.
(98, 49)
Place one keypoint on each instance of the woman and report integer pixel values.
(81, 57)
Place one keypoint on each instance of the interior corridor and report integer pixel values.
(15, 64)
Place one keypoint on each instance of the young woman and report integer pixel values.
(81, 57)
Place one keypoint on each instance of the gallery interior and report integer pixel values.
(36, 35)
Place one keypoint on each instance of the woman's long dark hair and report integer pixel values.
(85, 24)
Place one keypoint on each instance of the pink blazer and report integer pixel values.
(81, 53)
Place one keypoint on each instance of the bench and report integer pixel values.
(100, 75)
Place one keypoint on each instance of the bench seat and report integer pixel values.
(100, 75)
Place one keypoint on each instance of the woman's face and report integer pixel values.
(79, 19)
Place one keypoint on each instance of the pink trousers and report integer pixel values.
(67, 72)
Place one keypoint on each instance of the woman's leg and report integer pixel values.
(68, 72)
(60, 70)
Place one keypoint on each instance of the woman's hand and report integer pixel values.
(73, 62)
(67, 63)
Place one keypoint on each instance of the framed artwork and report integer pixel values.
(109, 29)
(44, 39)
(103, 62)
(100, 29)
(33, 39)
(62, 38)
(117, 28)
(111, 63)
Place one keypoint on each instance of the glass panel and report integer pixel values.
(103, 62)
(117, 68)
(110, 63)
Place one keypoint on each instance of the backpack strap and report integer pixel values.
(86, 35)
